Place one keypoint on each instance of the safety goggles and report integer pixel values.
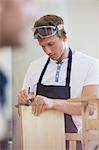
(46, 31)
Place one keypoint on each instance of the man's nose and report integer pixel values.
(48, 50)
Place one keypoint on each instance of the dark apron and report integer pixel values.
(60, 92)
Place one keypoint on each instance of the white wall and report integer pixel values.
(83, 25)
(98, 25)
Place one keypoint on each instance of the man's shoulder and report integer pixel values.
(85, 58)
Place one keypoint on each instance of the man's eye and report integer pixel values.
(43, 46)
(50, 44)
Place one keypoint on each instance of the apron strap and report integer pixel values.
(69, 68)
(43, 71)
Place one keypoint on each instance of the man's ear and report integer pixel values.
(65, 37)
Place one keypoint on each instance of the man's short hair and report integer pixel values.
(51, 20)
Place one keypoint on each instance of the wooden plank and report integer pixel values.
(73, 136)
(85, 99)
(91, 137)
(92, 124)
(45, 132)
(72, 145)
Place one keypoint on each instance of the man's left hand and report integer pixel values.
(41, 104)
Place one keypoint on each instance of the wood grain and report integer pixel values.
(45, 132)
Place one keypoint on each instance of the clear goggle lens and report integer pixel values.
(45, 31)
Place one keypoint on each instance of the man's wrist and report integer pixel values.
(49, 102)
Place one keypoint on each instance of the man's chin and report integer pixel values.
(53, 58)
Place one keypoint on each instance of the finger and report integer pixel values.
(33, 108)
(40, 107)
(30, 95)
(22, 99)
(40, 103)
(22, 96)
(44, 108)
(36, 110)
(25, 95)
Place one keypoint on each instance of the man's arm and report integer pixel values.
(41, 103)
(75, 108)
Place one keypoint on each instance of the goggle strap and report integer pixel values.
(60, 26)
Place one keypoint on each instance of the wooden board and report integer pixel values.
(45, 132)
(85, 99)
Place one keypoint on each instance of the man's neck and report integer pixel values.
(64, 54)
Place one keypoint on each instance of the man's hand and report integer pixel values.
(24, 96)
(41, 104)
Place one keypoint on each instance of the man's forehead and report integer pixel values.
(48, 39)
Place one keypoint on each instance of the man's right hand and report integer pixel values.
(23, 96)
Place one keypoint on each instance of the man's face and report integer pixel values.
(54, 47)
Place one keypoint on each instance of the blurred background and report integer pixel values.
(82, 24)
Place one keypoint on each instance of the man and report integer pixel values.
(59, 75)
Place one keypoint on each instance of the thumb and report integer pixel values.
(31, 96)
